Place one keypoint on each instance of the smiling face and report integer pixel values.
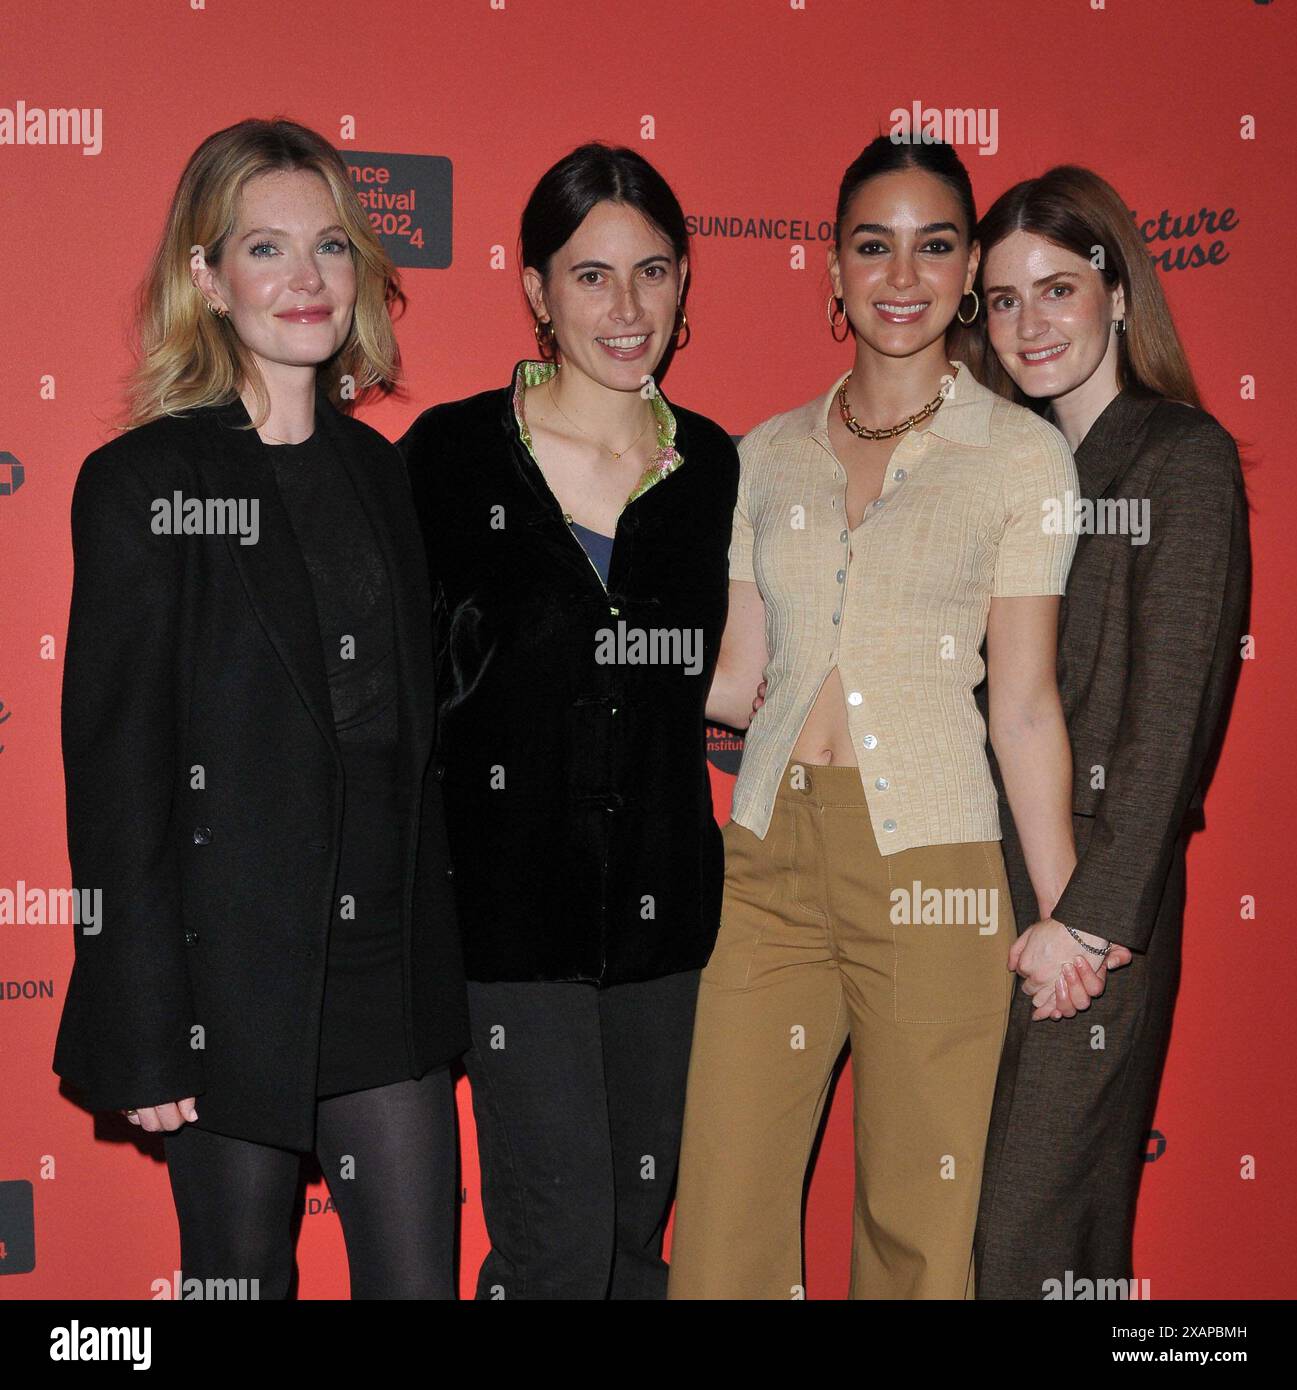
(612, 292)
(286, 273)
(905, 261)
(1050, 316)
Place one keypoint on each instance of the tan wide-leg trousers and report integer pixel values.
(822, 939)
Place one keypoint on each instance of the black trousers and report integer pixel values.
(389, 1157)
(1074, 1104)
(578, 1096)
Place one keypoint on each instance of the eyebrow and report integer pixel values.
(878, 228)
(603, 265)
(1035, 284)
(279, 231)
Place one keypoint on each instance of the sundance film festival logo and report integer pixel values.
(724, 748)
(11, 475)
(408, 199)
(977, 126)
(21, 124)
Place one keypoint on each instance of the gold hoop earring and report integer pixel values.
(216, 309)
(977, 308)
(836, 323)
(545, 341)
(683, 322)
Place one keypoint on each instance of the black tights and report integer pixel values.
(388, 1155)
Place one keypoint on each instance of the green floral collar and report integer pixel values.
(666, 458)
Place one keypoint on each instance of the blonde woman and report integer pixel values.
(247, 726)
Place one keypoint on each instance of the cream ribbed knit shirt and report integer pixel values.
(900, 604)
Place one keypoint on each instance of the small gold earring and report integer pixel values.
(836, 323)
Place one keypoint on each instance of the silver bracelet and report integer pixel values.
(1096, 950)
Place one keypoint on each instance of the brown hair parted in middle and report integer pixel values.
(1076, 209)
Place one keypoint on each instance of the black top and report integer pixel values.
(577, 792)
(362, 1041)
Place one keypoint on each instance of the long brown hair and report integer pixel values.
(1075, 209)
(187, 357)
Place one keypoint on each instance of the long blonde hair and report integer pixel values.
(186, 356)
(1079, 211)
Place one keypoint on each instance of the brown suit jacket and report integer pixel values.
(1148, 659)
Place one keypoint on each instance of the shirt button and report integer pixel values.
(869, 741)
(856, 698)
(843, 536)
(889, 826)
(202, 835)
(878, 501)
(882, 784)
(900, 475)
(837, 618)
(842, 574)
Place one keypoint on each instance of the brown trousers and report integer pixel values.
(823, 939)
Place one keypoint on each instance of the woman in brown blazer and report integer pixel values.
(1148, 655)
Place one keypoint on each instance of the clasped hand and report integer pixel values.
(1055, 971)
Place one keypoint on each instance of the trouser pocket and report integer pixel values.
(952, 927)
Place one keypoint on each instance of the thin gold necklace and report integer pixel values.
(554, 400)
(864, 432)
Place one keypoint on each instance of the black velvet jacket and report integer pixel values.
(577, 794)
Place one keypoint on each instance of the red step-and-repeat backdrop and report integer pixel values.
(751, 109)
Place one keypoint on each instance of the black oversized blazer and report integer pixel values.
(1147, 662)
(579, 801)
(205, 785)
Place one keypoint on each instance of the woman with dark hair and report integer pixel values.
(247, 732)
(577, 527)
(881, 531)
(1148, 654)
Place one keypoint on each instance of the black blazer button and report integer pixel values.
(191, 938)
(202, 834)
(450, 872)
(439, 771)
